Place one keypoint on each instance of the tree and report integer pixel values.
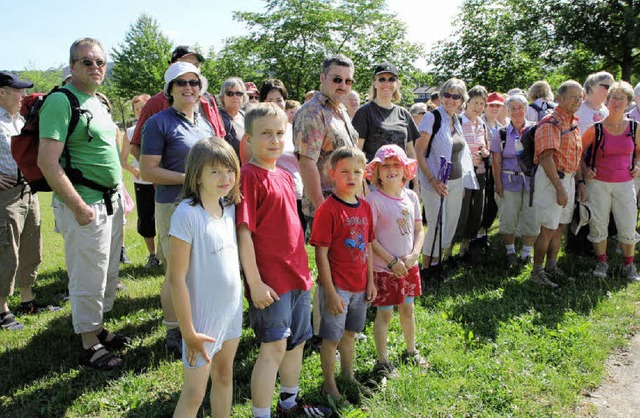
(43, 81)
(608, 28)
(291, 38)
(140, 62)
(497, 43)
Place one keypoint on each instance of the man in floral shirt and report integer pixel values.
(322, 125)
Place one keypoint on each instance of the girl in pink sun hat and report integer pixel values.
(398, 242)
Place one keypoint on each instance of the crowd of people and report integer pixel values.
(232, 187)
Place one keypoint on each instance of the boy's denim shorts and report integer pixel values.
(288, 318)
(352, 319)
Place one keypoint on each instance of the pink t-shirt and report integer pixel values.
(346, 229)
(394, 221)
(269, 209)
(613, 157)
(476, 138)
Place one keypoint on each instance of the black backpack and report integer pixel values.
(544, 110)
(591, 153)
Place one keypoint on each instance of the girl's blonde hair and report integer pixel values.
(215, 152)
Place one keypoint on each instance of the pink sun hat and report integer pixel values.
(392, 151)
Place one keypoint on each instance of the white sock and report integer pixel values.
(288, 401)
(526, 251)
(260, 412)
(511, 248)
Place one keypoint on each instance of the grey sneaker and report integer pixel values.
(630, 273)
(385, 370)
(601, 270)
(152, 262)
(512, 260)
(541, 277)
(559, 275)
(174, 342)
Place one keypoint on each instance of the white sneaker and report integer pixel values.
(630, 273)
(601, 270)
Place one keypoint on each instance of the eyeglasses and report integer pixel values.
(606, 86)
(234, 93)
(421, 113)
(254, 97)
(453, 96)
(183, 83)
(390, 79)
(339, 80)
(89, 63)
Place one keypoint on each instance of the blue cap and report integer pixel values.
(8, 79)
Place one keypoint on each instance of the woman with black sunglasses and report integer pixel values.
(382, 122)
(441, 139)
(233, 96)
(167, 138)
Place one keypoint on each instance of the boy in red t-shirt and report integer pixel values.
(342, 234)
(275, 265)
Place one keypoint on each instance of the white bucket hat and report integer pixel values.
(581, 216)
(179, 68)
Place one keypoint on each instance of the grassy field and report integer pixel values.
(497, 346)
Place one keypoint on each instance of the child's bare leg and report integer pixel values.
(193, 388)
(408, 324)
(263, 378)
(346, 354)
(290, 367)
(221, 395)
(328, 363)
(380, 332)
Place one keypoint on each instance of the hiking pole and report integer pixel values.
(443, 175)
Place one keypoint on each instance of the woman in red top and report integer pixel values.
(609, 167)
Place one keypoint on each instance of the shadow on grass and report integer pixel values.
(52, 356)
(484, 296)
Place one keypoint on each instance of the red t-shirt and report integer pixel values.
(346, 229)
(270, 211)
(159, 103)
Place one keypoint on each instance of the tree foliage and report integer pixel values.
(511, 43)
(43, 81)
(609, 29)
(290, 39)
(141, 60)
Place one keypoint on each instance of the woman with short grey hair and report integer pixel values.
(541, 98)
(512, 187)
(441, 136)
(233, 97)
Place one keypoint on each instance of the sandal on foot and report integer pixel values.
(117, 342)
(32, 307)
(99, 358)
(9, 322)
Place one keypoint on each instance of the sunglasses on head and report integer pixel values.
(89, 63)
(183, 83)
(421, 113)
(453, 96)
(233, 93)
(389, 79)
(339, 80)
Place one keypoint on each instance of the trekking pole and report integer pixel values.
(443, 175)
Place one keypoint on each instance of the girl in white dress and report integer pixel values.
(204, 272)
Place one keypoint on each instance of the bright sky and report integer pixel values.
(38, 33)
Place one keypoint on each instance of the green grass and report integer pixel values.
(497, 346)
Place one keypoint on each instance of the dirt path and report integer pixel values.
(619, 395)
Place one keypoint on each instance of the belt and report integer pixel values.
(512, 173)
(562, 174)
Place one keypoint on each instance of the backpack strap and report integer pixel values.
(437, 122)
(596, 145)
(74, 174)
(503, 137)
(633, 127)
